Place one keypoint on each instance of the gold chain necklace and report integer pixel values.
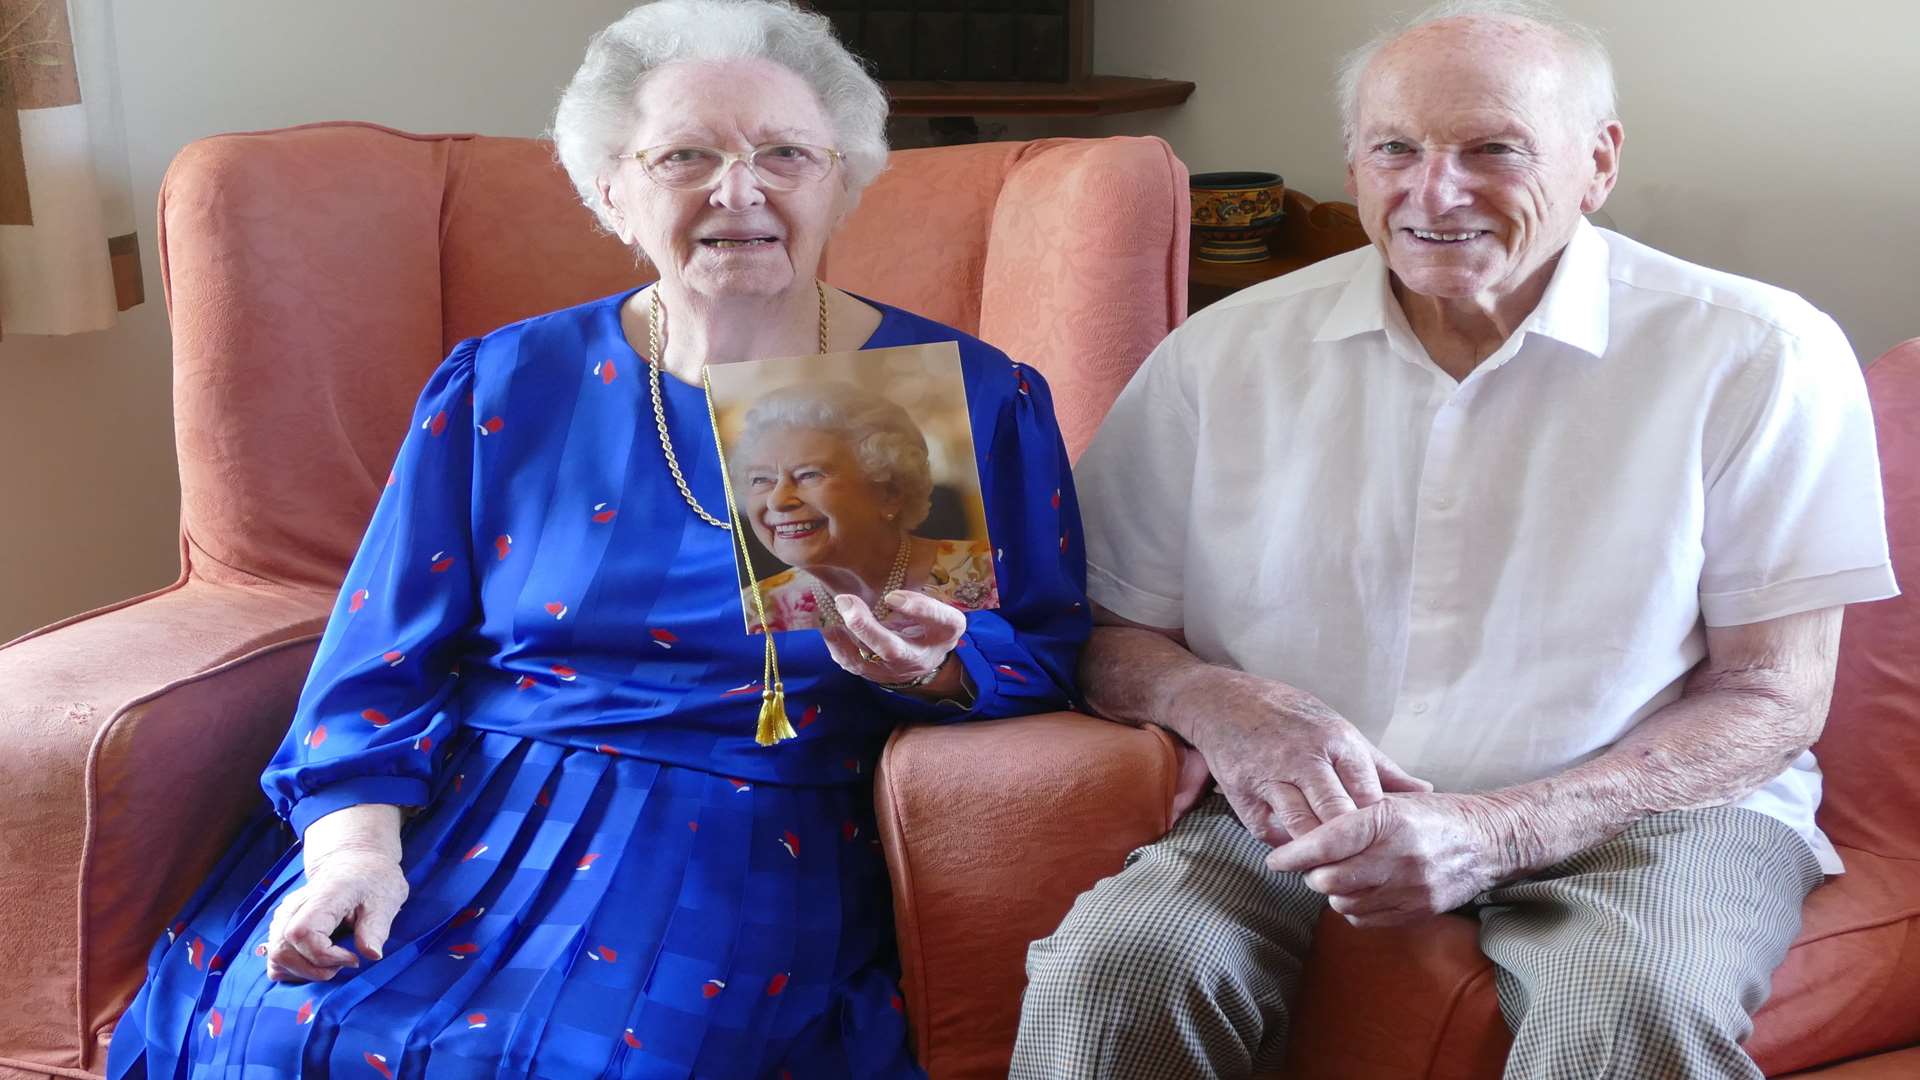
(830, 615)
(654, 364)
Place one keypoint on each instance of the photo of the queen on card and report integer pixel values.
(854, 473)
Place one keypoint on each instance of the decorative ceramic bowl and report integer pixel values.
(1234, 213)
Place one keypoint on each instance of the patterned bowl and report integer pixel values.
(1234, 213)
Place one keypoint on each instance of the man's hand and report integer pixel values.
(1285, 761)
(1405, 858)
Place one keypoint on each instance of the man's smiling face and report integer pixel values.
(1475, 152)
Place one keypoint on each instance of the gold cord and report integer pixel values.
(774, 725)
(655, 362)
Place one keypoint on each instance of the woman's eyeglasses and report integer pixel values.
(779, 166)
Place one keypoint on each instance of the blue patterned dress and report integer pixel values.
(541, 645)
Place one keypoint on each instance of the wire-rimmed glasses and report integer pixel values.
(781, 166)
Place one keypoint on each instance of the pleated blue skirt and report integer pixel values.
(573, 914)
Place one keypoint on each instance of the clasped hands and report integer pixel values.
(1380, 844)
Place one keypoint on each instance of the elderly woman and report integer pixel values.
(537, 833)
(835, 480)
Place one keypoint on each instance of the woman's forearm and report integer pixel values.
(366, 829)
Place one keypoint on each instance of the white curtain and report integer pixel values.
(69, 259)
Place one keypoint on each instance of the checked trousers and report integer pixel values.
(1643, 957)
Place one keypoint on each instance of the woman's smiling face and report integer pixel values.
(739, 237)
(809, 501)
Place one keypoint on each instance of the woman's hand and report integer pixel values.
(916, 638)
(353, 879)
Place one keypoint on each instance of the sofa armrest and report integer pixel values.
(991, 830)
(136, 735)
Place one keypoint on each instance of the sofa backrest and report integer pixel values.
(1872, 741)
(316, 275)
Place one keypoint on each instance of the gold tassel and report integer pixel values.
(773, 718)
(774, 726)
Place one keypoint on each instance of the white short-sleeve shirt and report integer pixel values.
(1494, 578)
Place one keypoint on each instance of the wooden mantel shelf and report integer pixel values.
(1095, 95)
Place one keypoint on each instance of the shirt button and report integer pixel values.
(1443, 503)
(1419, 707)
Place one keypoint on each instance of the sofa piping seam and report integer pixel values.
(83, 972)
(916, 1004)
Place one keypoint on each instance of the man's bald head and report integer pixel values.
(1497, 31)
(1475, 144)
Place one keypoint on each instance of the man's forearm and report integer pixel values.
(1730, 732)
(1132, 675)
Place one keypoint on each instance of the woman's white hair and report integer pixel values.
(599, 108)
(1586, 55)
(886, 442)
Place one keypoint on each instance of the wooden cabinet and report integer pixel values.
(1309, 232)
(957, 58)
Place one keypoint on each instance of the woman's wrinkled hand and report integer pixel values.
(358, 889)
(917, 636)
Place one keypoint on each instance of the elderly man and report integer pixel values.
(1497, 567)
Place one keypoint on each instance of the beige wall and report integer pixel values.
(1760, 140)
(1771, 138)
(89, 500)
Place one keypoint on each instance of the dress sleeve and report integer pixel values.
(1022, 656)
(380, 695)
(1795, 518)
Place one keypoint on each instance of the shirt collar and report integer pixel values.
(1574, 310)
